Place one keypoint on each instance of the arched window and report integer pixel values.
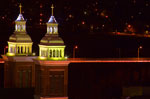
(28, 49)
(21, 49)
(21, 27)
(18, 27)
(51, 30)
(50, 54)
(18, 50)
(54, 53)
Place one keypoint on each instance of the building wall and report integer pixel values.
(51, 81)
(19, 74)
(1, 75)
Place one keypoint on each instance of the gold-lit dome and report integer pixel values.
(51, 40)
(52, 46)
(20, 37)
(20, 42)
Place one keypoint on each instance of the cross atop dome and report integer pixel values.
(52, 9)
(20, 17)
(52, 18)
(20, 6)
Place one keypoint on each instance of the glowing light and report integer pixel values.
(41, 6)
(41, 14)
(70, 16)
(3, 17)
(96, 10)
(140, 47)
(42, 58)
(40, 20)
(34, 54)
(82, 60)
(83, 22)
(10, 54)
(6, 46)
(66, 57)
(146, 32)
(118, 33)
(85, 12)
(129, 26)
(76, 47)
(106, 16)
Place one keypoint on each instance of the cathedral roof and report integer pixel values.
(51, 40)
(52, 20)
(20, 37)
(20, 18)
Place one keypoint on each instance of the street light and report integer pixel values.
(74, 49)
(140, 47)
(5, 49)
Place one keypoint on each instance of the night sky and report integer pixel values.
(86, 23)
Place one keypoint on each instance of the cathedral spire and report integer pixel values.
(20, 6)
(20, 17)
(52, 9)
(52, 18)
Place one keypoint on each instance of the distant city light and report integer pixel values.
(41, 14)
(41, 20)
(70, 16)
(85, 12)
(83, 22)
(41, 6)
(106, 16)
(129, 26)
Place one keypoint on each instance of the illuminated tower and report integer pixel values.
(20, 42)
(51, 46)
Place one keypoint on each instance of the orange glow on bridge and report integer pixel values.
(107, 60)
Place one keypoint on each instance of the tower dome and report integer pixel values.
(51, 45)
(20, 42)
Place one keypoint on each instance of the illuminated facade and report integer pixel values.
(51, 46)
(48, 73)
(20, 42)
(22, 70)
